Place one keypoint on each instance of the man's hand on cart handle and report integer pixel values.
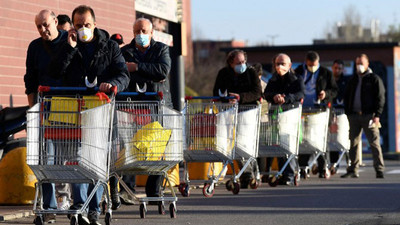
(279, 99)
(236, 99)
(106, 87)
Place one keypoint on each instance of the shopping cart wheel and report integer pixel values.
(38, 220)
(333, 170)
(107, 218)
(254, 183)
(229, 185)
(73, 220)
(172, 210)
(236, 188)
(208, 190)
(184, 189)
(142, 210)
(296, 180)
(161, 208)
(273, 181)
(314, 169)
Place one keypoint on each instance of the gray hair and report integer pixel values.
(144, 19)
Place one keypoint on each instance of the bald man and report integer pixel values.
(40, 52)
(284, 87)
(149, 65)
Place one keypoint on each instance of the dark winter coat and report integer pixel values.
(325, 82)
(39, 56)
(289, 84)
(153, 68)
(107, 63)
(372, 94)
(247, 84)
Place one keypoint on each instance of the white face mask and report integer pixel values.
(281, 70)
(312, 69)
(361, 69)
(85, 34)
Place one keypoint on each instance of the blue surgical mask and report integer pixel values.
(142, 39)
(240, 68)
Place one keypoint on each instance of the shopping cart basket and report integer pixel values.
(338, 137)
(315, 122)
(280, 136)
(210, 128)
(247, 137)
(150, 142)
(68, 141)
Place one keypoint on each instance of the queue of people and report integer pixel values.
(75, 52)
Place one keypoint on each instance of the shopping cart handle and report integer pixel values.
(43, 89)
(48, 88)
(159, 94)
(210, 97)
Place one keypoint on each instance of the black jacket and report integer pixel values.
(153, 68)
(247, 84)
(39, 56)
(372, 94)
(107, 64)
(289, 84)
(325, 82)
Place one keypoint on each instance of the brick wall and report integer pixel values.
(17, 30)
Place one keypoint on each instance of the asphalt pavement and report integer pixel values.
(354, 201)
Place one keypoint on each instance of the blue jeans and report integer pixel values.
(49, 196)
(81, 193)
(49, 190)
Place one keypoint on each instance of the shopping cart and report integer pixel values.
(210, 128)
(315, 122)
(279, 137)
(150, 142)
(247, 136)
(68, 141)
(338, 137)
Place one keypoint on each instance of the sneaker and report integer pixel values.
(379, 174)
(49, 218)
(126, 198)
(93, 217)
(63, 204)
(350, 174)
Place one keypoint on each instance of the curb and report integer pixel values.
(16, 215)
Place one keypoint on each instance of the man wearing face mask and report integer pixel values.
(364, 100)
(237, 80)
(320, 87)
(149, 65)
(89, 58)
(284, 87)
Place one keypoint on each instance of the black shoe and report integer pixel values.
(379, 174)
(93, 217)
(321, 175)
(350, 174)
(115, 200)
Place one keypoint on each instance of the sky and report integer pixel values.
(283, 22)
